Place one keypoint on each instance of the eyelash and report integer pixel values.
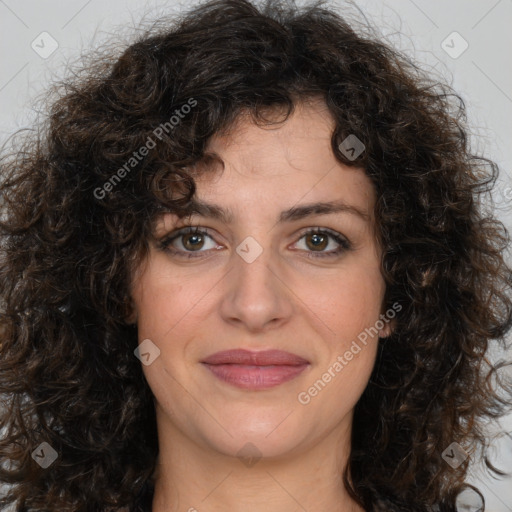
(165, 243)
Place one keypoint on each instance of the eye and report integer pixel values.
(317, 239)
(192, 240)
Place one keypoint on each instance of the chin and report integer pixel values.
(257, 446)
(253, 435)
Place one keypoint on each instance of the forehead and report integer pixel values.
(287, 163)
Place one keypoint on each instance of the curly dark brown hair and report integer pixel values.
(76, 222)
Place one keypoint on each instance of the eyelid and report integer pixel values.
(184, 230)
(342, 241)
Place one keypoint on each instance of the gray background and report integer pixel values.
(422, 29)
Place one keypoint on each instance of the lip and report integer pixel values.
(255, 370)
(261, 358)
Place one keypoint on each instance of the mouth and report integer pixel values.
(255, 370)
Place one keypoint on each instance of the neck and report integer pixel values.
(195, 478)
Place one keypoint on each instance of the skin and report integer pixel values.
(313, 307)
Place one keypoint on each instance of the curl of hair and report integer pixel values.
(70, 244)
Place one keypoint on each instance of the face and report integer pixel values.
(306, 282)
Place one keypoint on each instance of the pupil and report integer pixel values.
(318, 240)
(196, 237)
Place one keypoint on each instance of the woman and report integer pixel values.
(246, 268)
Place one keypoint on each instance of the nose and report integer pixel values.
(256, 295)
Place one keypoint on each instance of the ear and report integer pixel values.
(131, 317)
(388, 318)
(389, 327)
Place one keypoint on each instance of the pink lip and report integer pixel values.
(255, 370)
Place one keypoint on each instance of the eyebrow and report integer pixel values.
(291, 214)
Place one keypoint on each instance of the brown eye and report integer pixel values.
(318, 241)
(188, 242)
(192, 241)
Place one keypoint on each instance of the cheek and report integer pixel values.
(164, 301)
(349, 301)
(345, 386)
